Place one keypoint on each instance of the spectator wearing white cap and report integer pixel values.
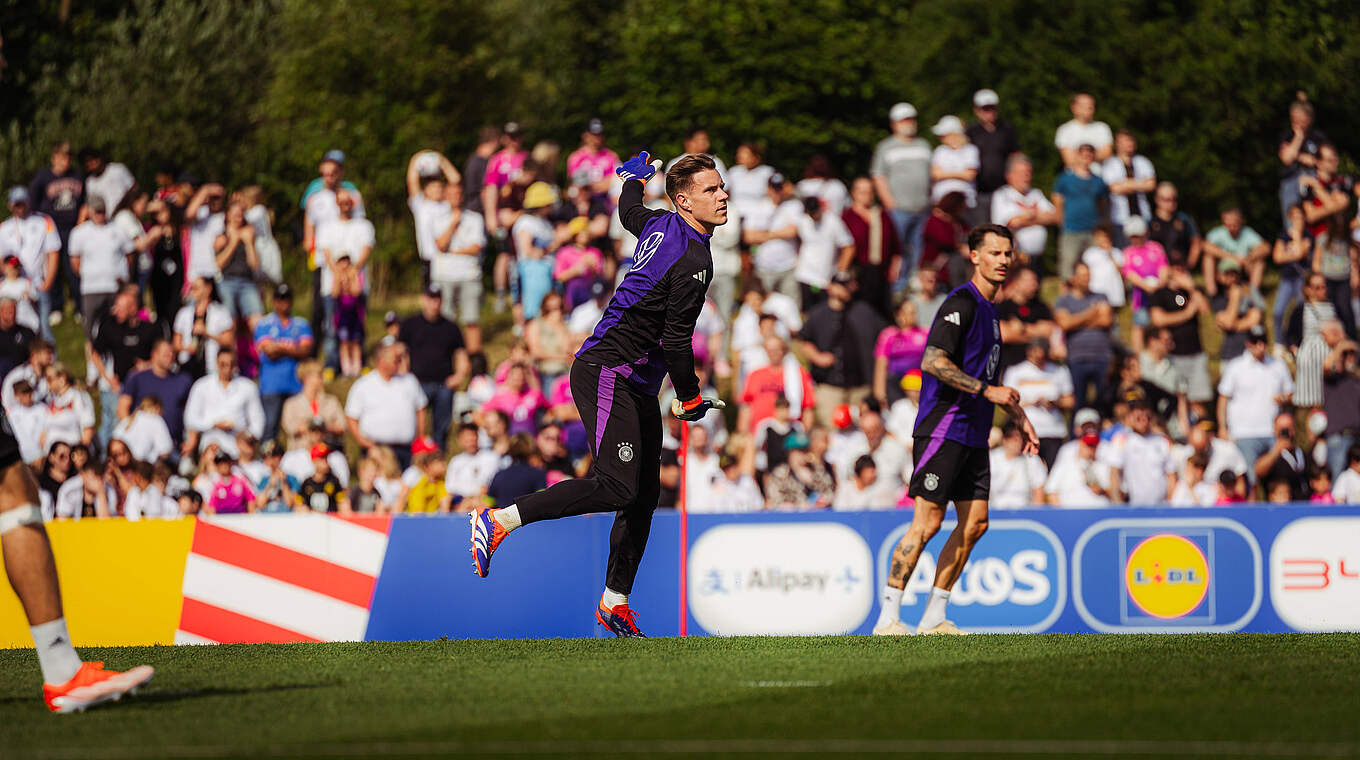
(1083, 129)
(996, 141)
(954, 163)
(32, 236)
(901, 174)
(1131, 178)
(772, 227)
(1023, 208)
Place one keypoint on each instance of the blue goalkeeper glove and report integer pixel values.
(695, 409)
(638, 167)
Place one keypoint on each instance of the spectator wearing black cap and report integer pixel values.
(439, 358)
(32, 237)
(282, 340)
(838, 340)
(772, 228)
(996, 141)
(1250, 393)
(58, 191)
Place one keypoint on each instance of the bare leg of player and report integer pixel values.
(925, 523)
(953, 557)
(69, 685)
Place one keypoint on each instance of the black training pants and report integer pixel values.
(624, 425)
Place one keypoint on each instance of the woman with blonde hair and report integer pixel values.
(312, 404)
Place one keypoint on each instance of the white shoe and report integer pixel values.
(895, 628)
(945, 628)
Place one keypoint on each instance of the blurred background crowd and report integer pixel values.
(268, 308)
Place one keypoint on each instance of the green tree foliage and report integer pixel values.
(254, 92)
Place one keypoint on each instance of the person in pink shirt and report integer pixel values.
(520, 400)
(501, 170)
(231, 494)
(1320, 482)
(1145, 267)
(591, 166)
(578, 264)
(898, 351)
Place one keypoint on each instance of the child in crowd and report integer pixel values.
(20, 289)
(429, 495)
(276, 490)
(349, 314)
(365, 497)
(323, 492)
(190, 503)
(231, 493)
(1106, 264)
(1320, 482)
(1146, 268)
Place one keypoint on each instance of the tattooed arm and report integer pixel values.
(937, 362)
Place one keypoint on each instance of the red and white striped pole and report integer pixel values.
(684, 530)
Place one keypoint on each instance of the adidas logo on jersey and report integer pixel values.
(701, 277)
(953, 318)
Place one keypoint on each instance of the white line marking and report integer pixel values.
(785, 684)
(1103, 747)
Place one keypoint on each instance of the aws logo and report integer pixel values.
(1167, 576)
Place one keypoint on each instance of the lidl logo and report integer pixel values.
(1167, 576)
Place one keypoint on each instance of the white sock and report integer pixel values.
(891, 610)
(56, 656)
(935, 609)
(508, 517)
(612, 599)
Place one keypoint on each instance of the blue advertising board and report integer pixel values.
(1247, 568)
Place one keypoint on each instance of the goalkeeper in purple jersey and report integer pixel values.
(958, 400)
(645, 333)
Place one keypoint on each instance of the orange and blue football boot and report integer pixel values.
(487, 534)
(620, 620)
(93, 685)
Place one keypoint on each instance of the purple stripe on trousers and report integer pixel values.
(604, 403)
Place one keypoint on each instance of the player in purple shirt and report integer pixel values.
(958, 400)
(645, 333)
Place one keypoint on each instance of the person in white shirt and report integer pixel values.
(201, 327)
(428, 172)
(1106, 264)
(862, 490)
(19, 290)
(470, 472)
(1131, 178)
(99, 256)
(1250, 392)
(219, 406)
(1046, 392)
(890, 456)
(387, 408)
(1083, 129)
(459, 239)
(145, 432)
(747, 181)
(825, 246)
(28, 420)
(347, 235)
(146, 500)
(297, 462)
(32, 236)
(820, 181)
(33, 371)
(954, 162)
(1017, 478)
(1140, 460)
(1193, 490)
(701, 470)
(772, 228)
(206, 216)
(1023, 208)
(1346, 488)
(86, 495)
(106, 180)
(70, 412)
(735, 489)
(725, 245)
(1221, 455)
(1078, 477)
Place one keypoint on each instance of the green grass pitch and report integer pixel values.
(1230, 695)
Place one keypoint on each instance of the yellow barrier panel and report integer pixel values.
(121, 582)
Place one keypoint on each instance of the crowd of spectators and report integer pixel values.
(200, 394)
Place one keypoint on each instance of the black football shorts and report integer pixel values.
(950, 471)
